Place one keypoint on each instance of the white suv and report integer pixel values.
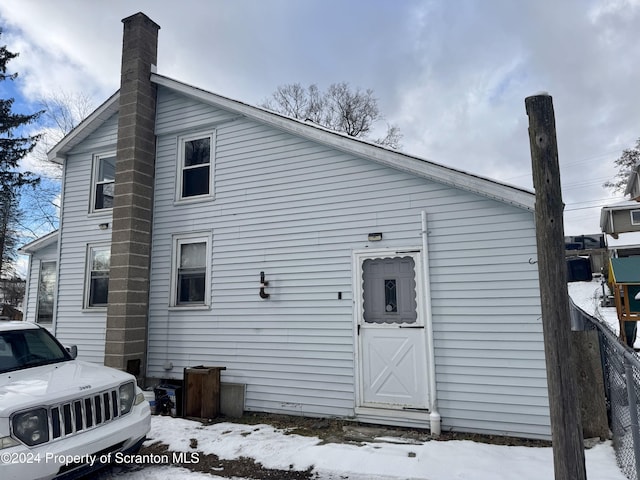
(61, 417)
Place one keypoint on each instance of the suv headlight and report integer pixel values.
(32, 427)
(127, 397)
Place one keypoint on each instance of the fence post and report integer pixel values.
(633, 412)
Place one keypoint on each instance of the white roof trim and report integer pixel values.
(39, 243)
(466, 181)
(85, 128)
(486, 187)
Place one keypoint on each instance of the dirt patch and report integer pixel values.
(345, 431)
(242, 467)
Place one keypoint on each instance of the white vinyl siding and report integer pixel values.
(297, 210)
(76, 325)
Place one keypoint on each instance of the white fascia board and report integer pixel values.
(482, 186)
(39, 243)
(85, 128)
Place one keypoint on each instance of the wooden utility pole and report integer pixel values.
(566, 428)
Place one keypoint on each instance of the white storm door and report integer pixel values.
(393, 360)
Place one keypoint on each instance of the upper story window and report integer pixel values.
(104, 175)
(98, 265)
(195, 166)
(635, 217)
(190, 279)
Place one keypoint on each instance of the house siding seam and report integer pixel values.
(297, 210)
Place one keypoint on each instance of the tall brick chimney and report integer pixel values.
(127, 313)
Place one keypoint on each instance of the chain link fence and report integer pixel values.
(621, 369)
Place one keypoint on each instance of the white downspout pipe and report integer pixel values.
(434, 416)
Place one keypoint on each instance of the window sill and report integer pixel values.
(94, 309)
(181, 308)
(104, 212)
(192, 200)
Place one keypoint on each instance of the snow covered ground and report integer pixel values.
(431, 460)
(586, 295)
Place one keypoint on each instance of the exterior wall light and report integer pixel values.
(103, 226)
(375, 237)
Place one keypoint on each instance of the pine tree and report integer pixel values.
(14, 146)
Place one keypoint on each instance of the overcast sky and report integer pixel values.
(451, 74)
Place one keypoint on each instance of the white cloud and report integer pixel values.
(452, 75)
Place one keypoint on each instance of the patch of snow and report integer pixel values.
(430, 460)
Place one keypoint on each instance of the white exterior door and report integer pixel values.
(391, 333)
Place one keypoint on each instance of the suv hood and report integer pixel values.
(63, 381)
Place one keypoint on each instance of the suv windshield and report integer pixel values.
(29, 348)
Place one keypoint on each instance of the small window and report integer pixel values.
(104, 183)
(191, 271)
(195, 166)
(635, 217)
(46, 292)
(99, 260)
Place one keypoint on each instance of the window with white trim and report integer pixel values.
(191, 270)
(104, 176)
(97, 287)
(635, 217)
(195, 166)
(46, 292)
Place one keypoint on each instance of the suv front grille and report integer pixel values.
(83, 414)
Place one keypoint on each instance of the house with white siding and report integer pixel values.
(331, 277)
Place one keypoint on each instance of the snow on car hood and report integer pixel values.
(52, 384)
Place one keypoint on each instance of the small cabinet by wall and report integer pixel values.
(202, 392)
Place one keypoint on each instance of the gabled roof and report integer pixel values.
(39, 243)
(625, 270)
(85, 128)
(606, 213)
(486, 187)
(633, 183)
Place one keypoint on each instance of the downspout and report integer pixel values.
(434, 416)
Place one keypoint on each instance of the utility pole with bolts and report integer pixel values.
(564, 406)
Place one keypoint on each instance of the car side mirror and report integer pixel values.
(73, 350)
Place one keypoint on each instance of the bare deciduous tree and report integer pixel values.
(62, 112)
(626, 163)
(340, 108)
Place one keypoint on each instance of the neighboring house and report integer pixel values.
(12, 292)
(622, 217)
(330, 276)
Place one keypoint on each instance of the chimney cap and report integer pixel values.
(140, 16)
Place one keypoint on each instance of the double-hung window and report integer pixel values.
(46, 292)
(104, 175)
(98, 264)
(195, 166)
(191, 270)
